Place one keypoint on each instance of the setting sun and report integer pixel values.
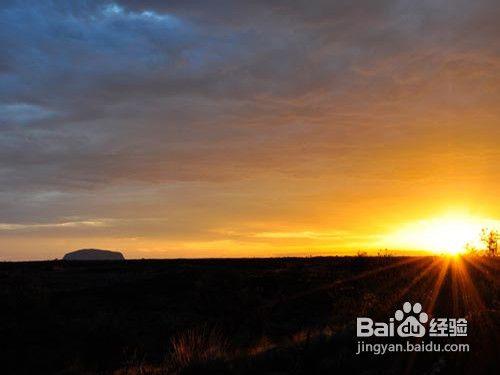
(443, 235)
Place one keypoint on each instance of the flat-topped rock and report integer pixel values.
(94, 254)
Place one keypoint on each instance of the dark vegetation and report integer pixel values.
(248, 316)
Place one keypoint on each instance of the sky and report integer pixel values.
(244, 128)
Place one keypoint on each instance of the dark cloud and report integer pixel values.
(134, 94)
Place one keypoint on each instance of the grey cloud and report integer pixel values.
(22, 113)
(99, 93)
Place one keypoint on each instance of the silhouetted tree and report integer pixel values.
(490, 238)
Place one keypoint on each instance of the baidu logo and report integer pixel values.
(410, 321)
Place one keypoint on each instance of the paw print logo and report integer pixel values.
(413, 324)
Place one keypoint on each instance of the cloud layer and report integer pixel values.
(187, 123)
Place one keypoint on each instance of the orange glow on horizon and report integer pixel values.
(449, 234)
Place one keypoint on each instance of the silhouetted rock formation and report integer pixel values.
(94, 254)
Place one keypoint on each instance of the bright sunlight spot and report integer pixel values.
(444, 235)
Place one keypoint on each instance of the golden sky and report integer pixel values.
(247, 128)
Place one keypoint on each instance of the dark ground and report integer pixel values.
(250, 316)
